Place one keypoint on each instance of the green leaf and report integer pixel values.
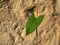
(30, 21)
(34, 24)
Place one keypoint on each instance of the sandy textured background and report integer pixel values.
(14, 15)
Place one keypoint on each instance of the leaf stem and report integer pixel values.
(36, 36)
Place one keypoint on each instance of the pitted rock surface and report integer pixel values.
(14, 15)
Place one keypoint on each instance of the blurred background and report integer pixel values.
(14, 15)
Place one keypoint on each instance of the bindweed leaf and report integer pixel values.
(33, 23)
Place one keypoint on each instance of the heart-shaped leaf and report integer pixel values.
(33, 23)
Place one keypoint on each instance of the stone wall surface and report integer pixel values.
(14, 15)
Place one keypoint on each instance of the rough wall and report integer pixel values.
(14, 15)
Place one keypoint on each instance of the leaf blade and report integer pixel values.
(35, 24)
(30, 21)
